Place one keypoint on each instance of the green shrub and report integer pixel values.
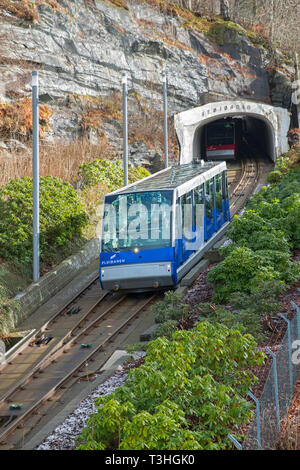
(241, 270)
(277, 207)
(188, 394)
(165, 329)
(246, 226)
(109, 173)
(262, 300)
(246, 321)
(62, 217)
(262, 239)
(274, 176)
(287, 270)
(170, 308)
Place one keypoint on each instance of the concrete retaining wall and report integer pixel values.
(39, 292)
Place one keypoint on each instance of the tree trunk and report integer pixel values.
(224, 9)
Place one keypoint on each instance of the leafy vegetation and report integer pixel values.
(170, 308)
(171, 311)
(62, 217)
(109, 173)
(187, 394)
(246, 321)
(262, 238)
(256, 270)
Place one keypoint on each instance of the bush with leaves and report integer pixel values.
(62, 217)
(166, 329)
(246, 320)
(279, 206)
(241, 270)
(170, 308)
(188, 394)
(262, 240)
(109, 172)
(262, 300)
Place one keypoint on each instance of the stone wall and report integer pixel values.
(82, 48)
(51, 283)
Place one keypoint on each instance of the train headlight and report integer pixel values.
(135, 250)
(102, 272)
(169, 268)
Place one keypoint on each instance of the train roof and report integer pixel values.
(180, 177)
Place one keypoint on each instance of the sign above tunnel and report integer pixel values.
(190, 126)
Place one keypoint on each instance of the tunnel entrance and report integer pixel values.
(234, 138)
(263, 126)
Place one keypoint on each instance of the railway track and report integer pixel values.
(76, 337)
(243, 185)
(36, 376)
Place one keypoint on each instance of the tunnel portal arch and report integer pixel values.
(189, 125)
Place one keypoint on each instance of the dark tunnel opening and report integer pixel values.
(234, 138)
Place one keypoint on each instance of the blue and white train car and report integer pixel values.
(154, 231)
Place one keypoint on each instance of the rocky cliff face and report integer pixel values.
(82, 47)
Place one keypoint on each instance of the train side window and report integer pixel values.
(225, 185)
(198, 195)
(209, 203)
(199, 200)
(178, 219)
(219, 196)
(186, 211)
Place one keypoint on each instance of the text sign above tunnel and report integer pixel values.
(190, 124)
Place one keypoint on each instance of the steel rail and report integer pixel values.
(46, 325)
(248, 182)
(52, 355)
(19, 420)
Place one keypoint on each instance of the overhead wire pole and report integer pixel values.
(297, 91)
(125, 129)
(36, 170)
(165, 119)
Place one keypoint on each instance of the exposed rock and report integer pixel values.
(3, 146)
(141, 155)
(225, 10)
(281, 86)
(82, 48)
(14, 144)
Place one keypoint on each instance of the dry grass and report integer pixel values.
(22, 9)
(118, 3)
(147, 125)
(96, 110)
(16, 120)
(149, 128)
(289, 437)
(26, 9)
(59, 159)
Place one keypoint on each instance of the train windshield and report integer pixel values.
(141, 219)
(220, 133)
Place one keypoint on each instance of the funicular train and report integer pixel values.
(223, 139)
(154, 231)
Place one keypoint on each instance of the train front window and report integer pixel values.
(220, 133)
(141, 219)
